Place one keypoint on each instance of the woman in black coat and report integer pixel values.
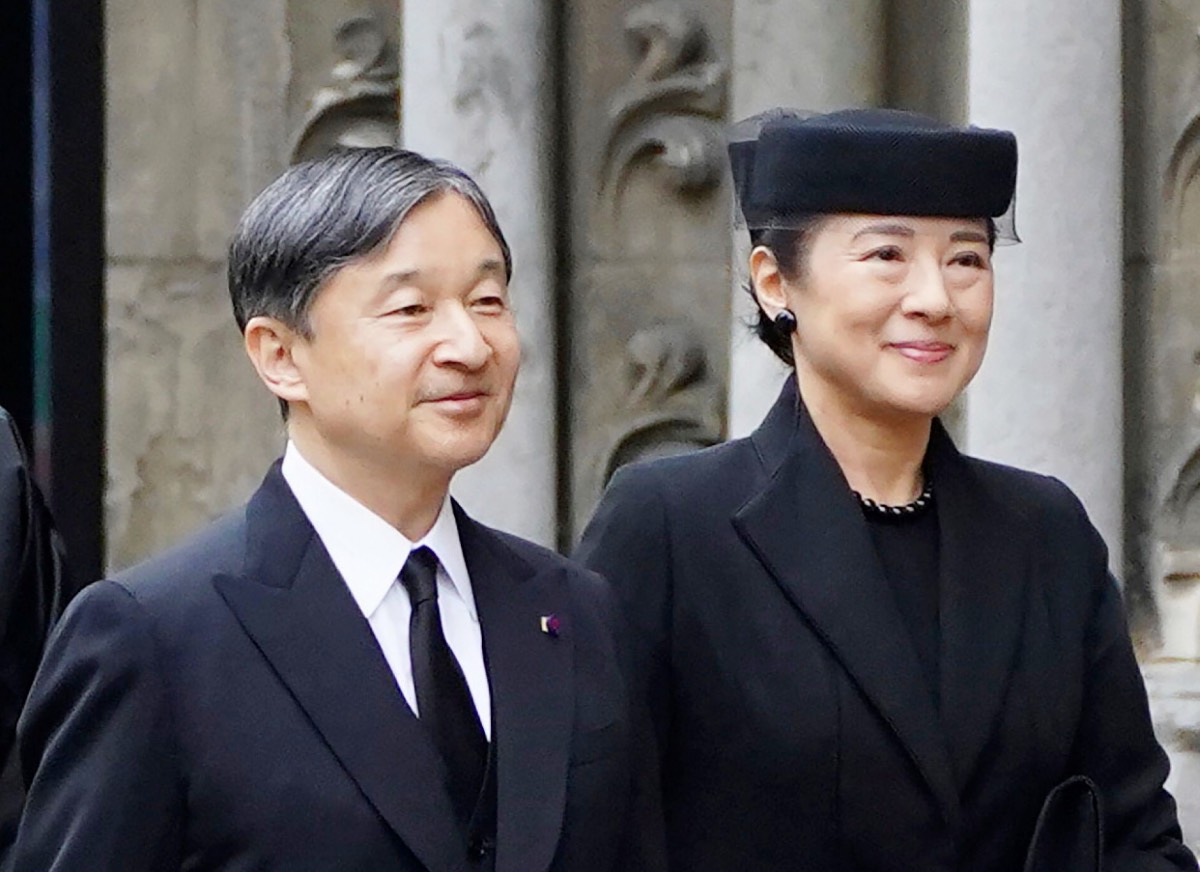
(862, 649)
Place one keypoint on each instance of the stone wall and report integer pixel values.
(205, 100)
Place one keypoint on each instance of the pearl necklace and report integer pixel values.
(880, 510)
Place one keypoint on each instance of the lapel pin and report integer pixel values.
(551, 625)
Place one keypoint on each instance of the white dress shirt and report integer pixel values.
(369, 554)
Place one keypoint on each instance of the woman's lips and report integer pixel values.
(924, 352)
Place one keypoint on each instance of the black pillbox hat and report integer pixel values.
(871, 161)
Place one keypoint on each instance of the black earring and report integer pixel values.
(785, 322)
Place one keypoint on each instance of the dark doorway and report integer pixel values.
(52, 248)
(16, 206)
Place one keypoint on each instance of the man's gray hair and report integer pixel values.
(323, 214)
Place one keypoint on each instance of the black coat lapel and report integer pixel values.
(532, 682)
(298, 611)
(808, 531)
(985, 553)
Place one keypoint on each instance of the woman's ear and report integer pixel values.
(271, 345)
(767, 281)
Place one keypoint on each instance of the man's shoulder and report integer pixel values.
(218, 549)
(539, 559)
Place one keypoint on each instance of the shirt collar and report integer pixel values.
(367, 551)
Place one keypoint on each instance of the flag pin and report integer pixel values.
(551, 625)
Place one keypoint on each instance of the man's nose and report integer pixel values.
(461, 342)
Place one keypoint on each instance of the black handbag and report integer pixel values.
(1069, 836)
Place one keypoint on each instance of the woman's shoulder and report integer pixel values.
(1042, 498)
(686, 476)
(1041, 516)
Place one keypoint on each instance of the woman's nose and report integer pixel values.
(926, 293)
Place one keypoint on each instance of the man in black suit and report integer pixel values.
(34, 587)
(348, 672)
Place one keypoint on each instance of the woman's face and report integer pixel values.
(892, 312)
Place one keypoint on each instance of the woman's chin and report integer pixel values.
(920, 404)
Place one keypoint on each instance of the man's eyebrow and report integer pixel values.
(403, 277)
(487, 267)
(885, 229)
(492, 266)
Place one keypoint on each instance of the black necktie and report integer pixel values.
(443, 698)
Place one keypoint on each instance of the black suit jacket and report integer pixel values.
(793, 722)
(34, 589)
(225, 706)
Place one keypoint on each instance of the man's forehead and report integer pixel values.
(424, 268)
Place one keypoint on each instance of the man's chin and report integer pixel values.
(459, 453)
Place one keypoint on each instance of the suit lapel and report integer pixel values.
(808, 531)
(299, 613)
(985, 555)
(531, 677)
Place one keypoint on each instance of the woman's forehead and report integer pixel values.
(856, 226)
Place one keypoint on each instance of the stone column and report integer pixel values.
(1049, 396)
(809, 55)
(1174, 691)
(476, 91)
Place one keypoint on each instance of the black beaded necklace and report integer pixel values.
(918, 506)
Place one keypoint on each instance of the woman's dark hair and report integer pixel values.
(791, 247)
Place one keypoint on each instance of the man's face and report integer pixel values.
(413, 351)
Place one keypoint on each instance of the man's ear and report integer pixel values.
(766, 280)
(270, 344)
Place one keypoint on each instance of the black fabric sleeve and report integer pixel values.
(644, 848)
(627, 542)
(34, 588)
(97, 742)
(1115, 746)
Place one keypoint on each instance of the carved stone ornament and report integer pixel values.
(361, 105)
(1181, 173)
(1176, 555)
(649, 237)
(1178, 551)
(669, 400)
(1181, 192)
(672, 105)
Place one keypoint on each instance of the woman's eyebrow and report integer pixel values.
(968, 236)
(885, 230)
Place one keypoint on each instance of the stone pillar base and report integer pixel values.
(1174, 689)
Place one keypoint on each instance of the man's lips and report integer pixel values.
(923, 351)
(458, 401)
(457, 397)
